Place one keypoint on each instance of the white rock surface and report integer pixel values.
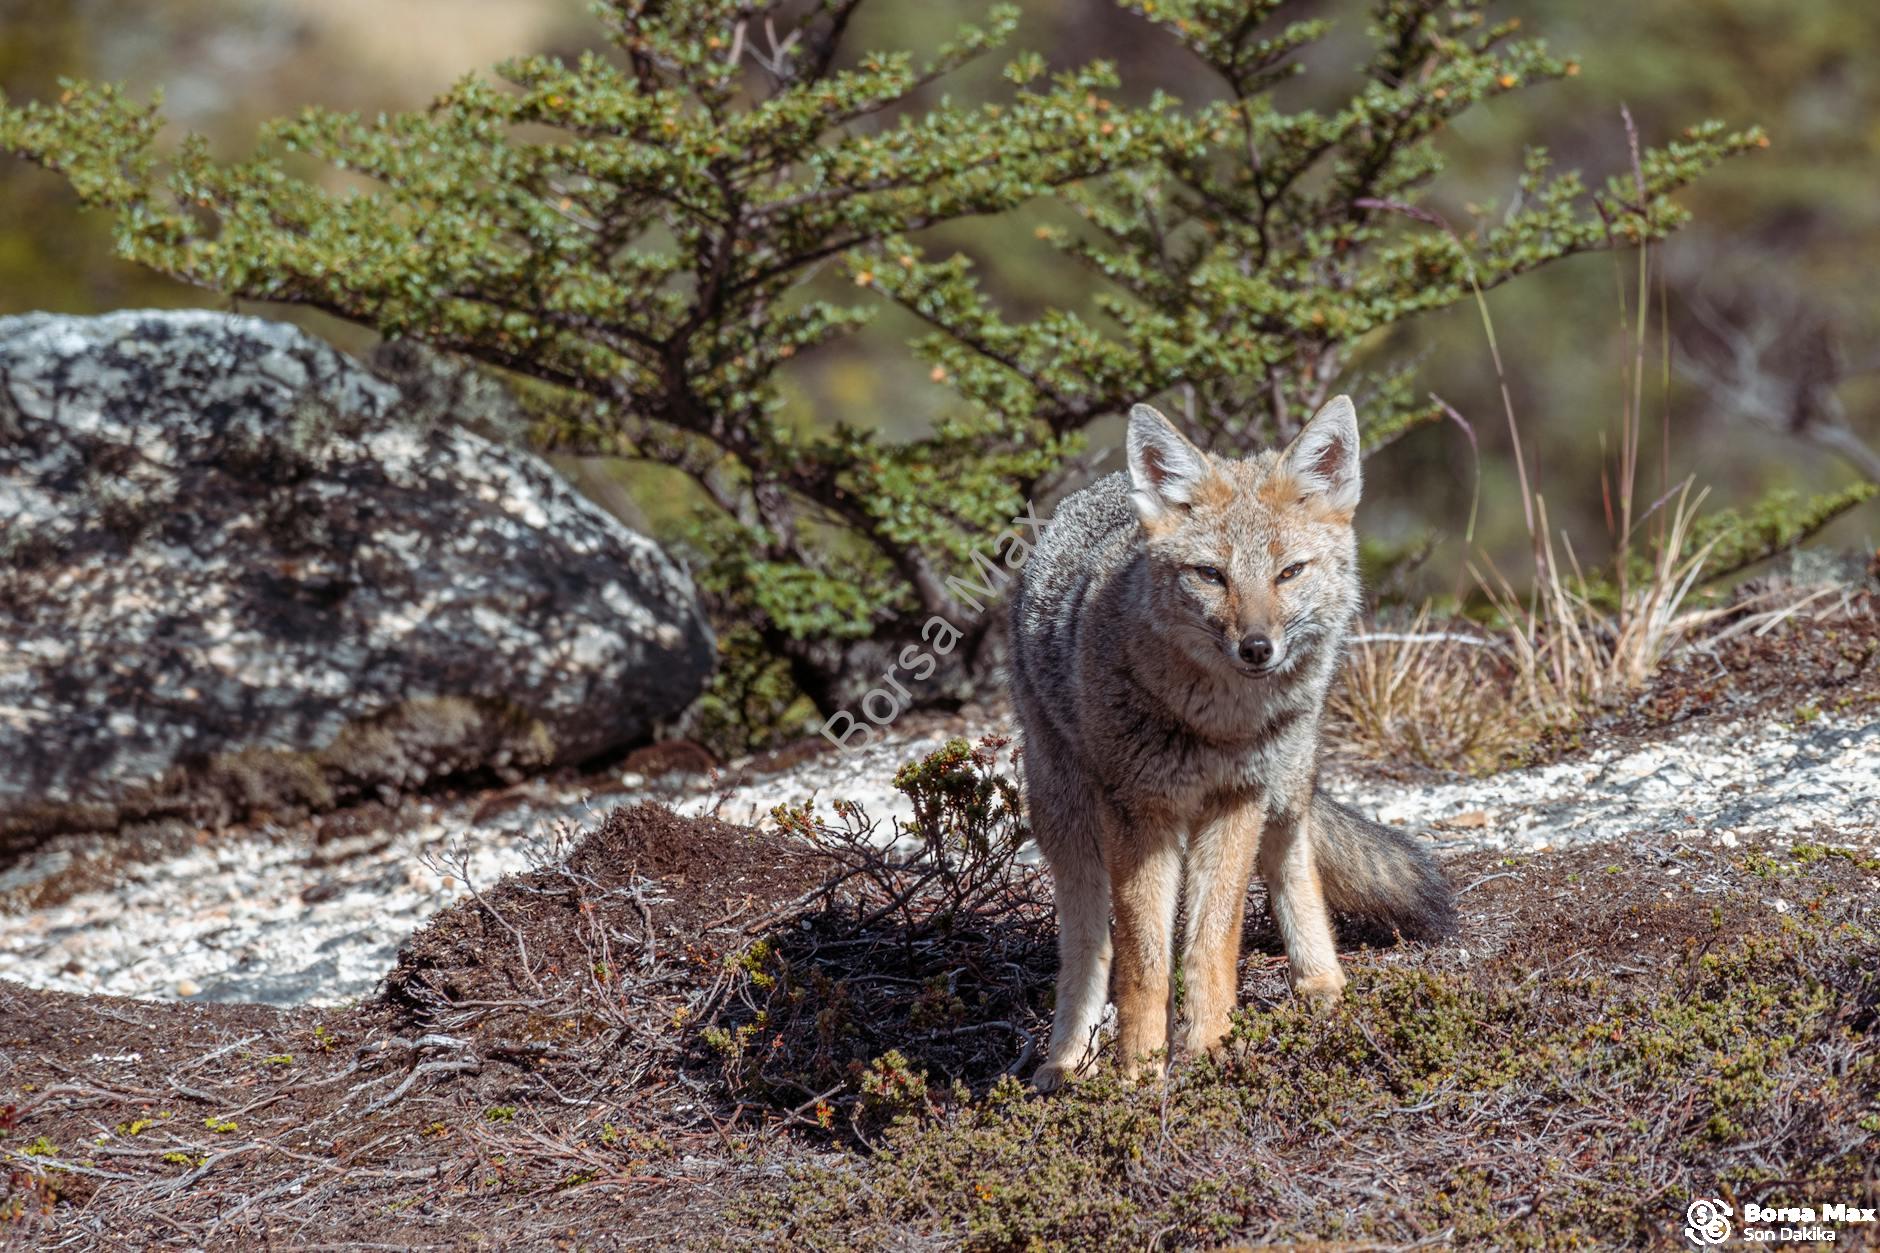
(259, 918)
(1823, 778)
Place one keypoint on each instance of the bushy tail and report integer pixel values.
(1377, 873)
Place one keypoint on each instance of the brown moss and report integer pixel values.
(1590, 1055)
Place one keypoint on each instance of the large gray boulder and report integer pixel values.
(240, 575)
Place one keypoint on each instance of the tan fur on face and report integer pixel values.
(1281, 491)
(1165, 525)
(1246, 520)
(1215, 492)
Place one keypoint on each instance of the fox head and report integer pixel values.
(1253, 564)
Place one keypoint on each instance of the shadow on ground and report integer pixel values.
(684, 1031)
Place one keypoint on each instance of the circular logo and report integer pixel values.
(1707, 1222)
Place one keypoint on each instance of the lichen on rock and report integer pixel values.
(239, 572)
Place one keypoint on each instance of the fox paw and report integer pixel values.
(1058, 1073)
(1323, 990)
(1224, 1050)
(1231, 1049)
(1051, 1076)
(1147, 1069)
(1211, 1040)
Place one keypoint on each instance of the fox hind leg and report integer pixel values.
(1298, 903)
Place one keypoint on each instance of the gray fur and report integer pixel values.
(1137, 718)
(1380, 875)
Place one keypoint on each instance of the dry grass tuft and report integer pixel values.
(1573, 654)
(1443, 698)
(1578, 642)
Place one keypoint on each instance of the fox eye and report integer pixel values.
(1291, 572)
(1208, 574)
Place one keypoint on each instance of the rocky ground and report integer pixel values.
(1721, 747)
(685, 1029)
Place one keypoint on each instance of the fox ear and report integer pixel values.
(1324, 458)
(1164, 468)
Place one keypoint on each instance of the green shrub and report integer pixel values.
(643, 230)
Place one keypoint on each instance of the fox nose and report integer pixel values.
(1256, 649)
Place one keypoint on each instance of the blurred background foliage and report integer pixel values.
(1770, 315)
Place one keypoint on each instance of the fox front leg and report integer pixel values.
(1068, 825)
(1145, 876)
(1082, 888)
(1220, 863)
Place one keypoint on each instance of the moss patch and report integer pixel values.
(1617, 1030)
(1558, 1094)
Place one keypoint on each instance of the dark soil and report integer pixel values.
(617, 1053)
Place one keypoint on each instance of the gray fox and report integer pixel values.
(1173, 636)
